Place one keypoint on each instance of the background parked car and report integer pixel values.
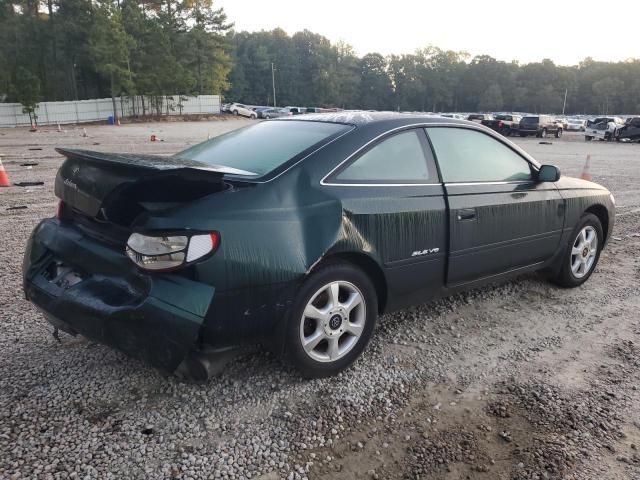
(240, 109)
(630, 131)
(602, 128)
(540, 126)
(576, 125)
(504, 123)
(260, 108)
(274, 113)
(457, 116)
(478, 117)
(296, 110)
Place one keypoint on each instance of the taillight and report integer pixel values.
(500, 124)
(171, 251)
(60, 210)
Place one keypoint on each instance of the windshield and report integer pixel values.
(503, 117)
(262, 148)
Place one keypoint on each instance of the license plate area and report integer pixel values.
(62, 275)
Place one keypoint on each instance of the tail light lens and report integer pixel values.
(60, 210)
(159, 253)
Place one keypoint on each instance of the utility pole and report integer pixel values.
(564, 105)
(273, 83)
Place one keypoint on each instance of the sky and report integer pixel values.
(566, 32)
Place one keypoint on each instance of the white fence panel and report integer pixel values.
(60, 112)
(102, 108)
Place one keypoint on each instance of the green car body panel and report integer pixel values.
(411, 239)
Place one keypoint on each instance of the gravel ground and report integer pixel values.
(516, 381)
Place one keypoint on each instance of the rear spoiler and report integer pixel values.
(87, 178)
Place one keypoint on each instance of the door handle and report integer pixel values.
(466, 214)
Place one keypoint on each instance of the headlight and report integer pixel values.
(169, 252)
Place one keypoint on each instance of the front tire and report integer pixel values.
(559, 133)
(582, 253)
(332, 320)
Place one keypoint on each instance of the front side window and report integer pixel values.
(397, 159)
(466, 155)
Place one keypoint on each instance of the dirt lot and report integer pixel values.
(517, 381)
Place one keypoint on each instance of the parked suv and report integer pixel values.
(540, 126)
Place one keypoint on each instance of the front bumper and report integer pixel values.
(156, 318)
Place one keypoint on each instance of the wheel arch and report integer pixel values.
(367, 264)
(602, 213)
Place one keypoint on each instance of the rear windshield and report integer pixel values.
(503, 117)
(530, 119)
(262, 148)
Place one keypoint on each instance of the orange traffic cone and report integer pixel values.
(4, 178)
(586, 174)
(33, 127)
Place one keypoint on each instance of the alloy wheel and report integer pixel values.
(584, 252)
(333, 321)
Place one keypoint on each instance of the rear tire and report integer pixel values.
(582, 252)
(331, 321)
(587, 138)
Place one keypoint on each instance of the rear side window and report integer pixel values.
(466, 155)
(397, 159)
(262, 148)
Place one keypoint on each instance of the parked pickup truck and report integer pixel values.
(603, 128)
(505, 124)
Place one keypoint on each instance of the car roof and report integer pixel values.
(359, 118)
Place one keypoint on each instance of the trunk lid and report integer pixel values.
(117, 187)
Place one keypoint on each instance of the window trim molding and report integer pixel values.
(533, 166)
(427, 151)
(424, 125)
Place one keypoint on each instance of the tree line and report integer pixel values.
(78, 49)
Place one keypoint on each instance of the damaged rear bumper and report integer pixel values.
(86, 287)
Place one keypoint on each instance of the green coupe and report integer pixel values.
(297, 233)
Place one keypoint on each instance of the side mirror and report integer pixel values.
(548, 173)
